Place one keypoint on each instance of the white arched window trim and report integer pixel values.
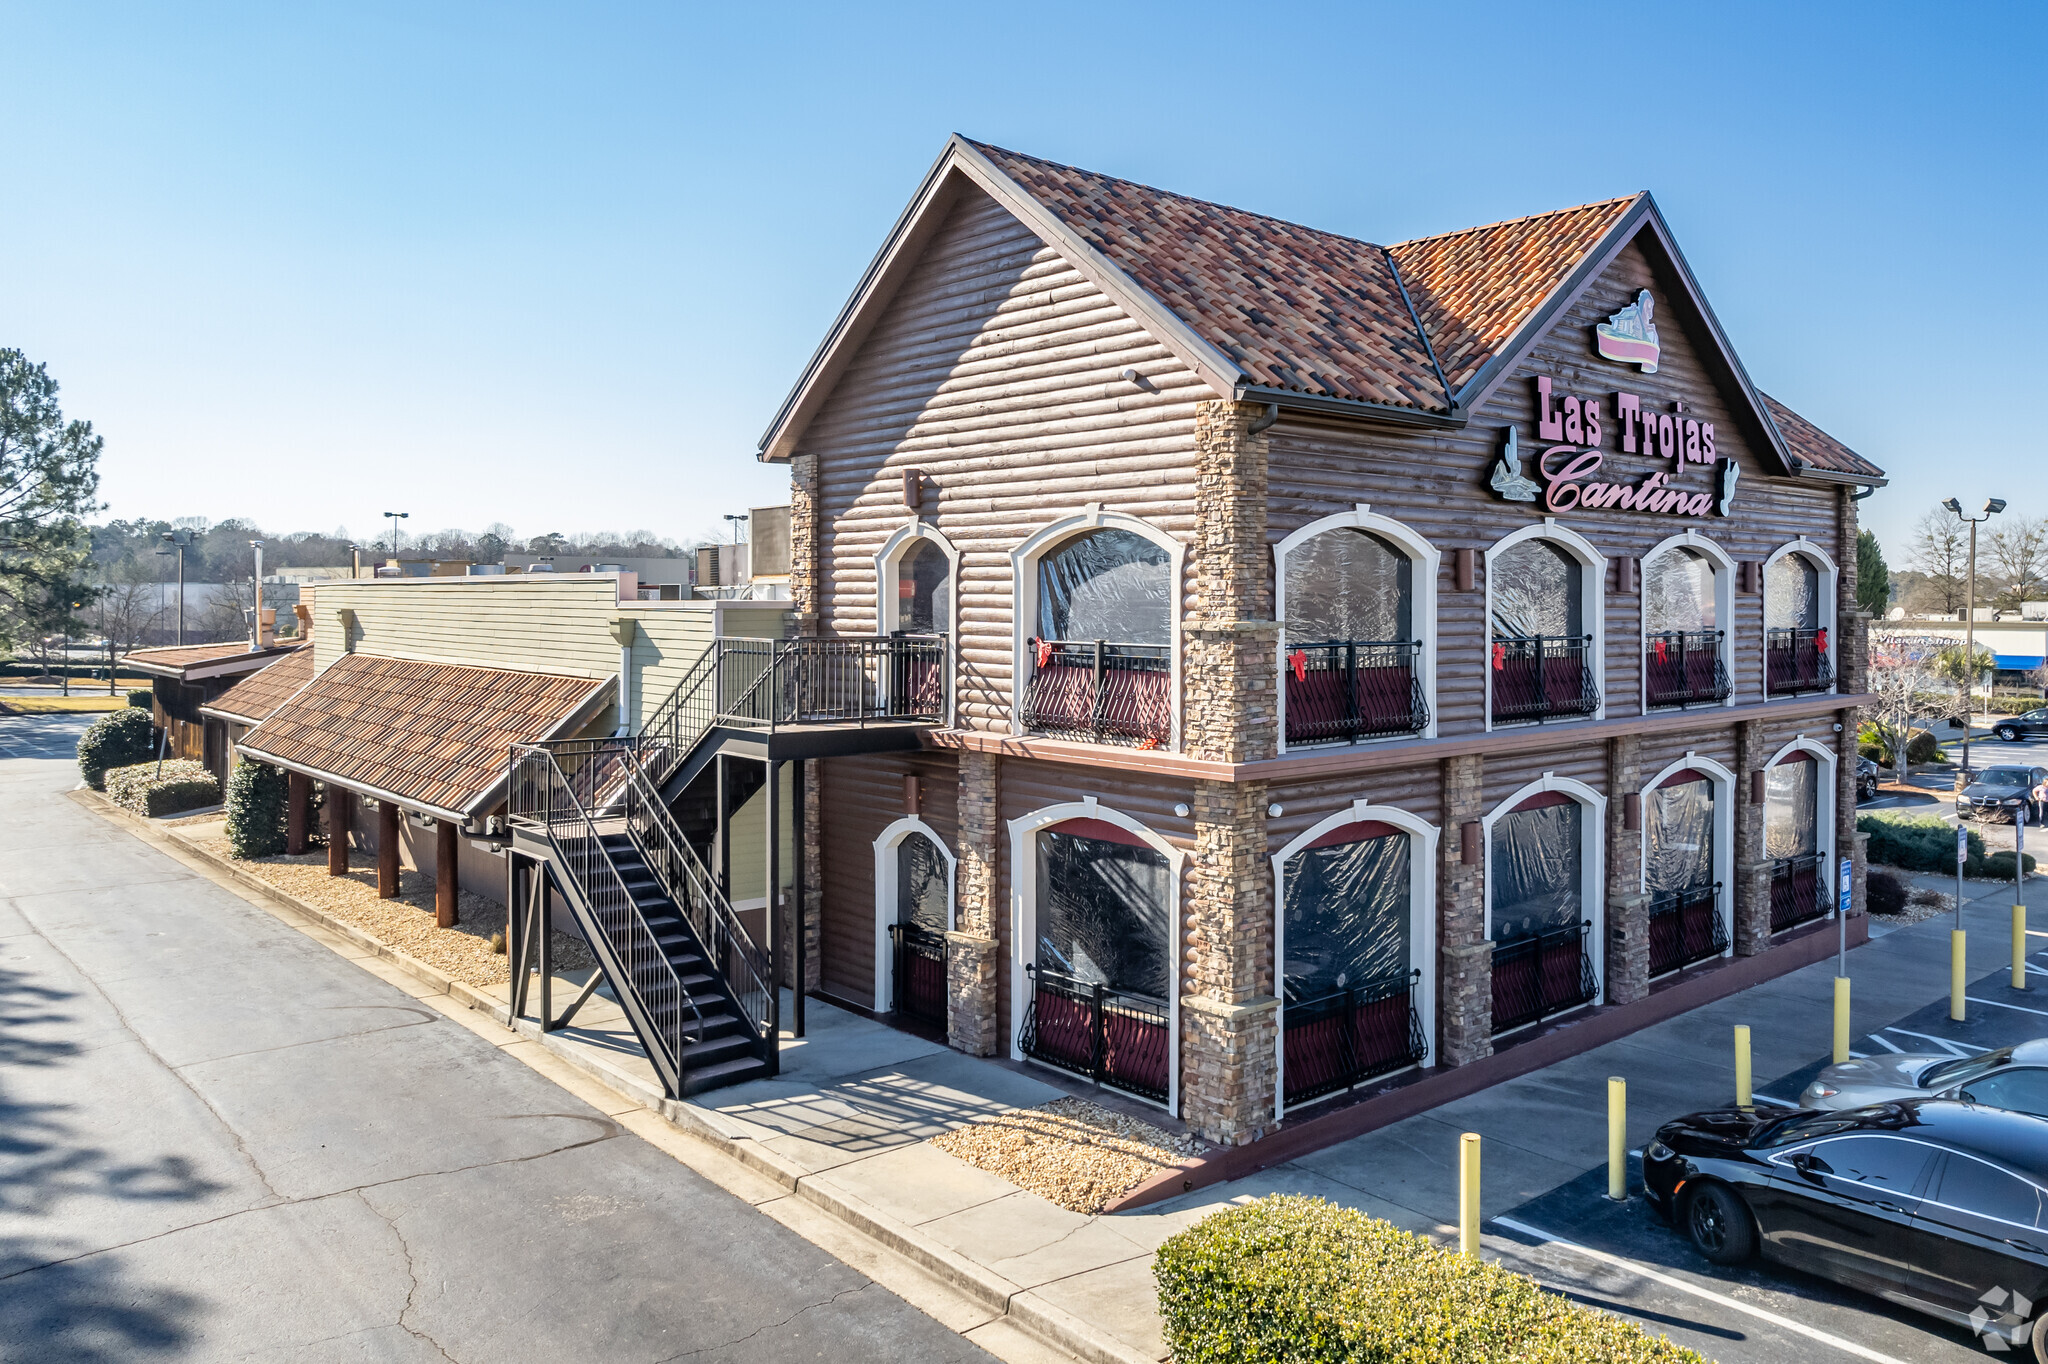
(1024, 916)
(1024, 589)
(1830, 584)
(1592, 604)
(888, 606)
(1823, 808)
(1724, 832)
(1724, 605)
(1427, 560)
(1592, 861)
(886, 888)
(1422, 846)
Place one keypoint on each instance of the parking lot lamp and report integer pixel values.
(1992, 507)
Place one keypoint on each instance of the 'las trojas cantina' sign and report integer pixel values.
(1575, 428)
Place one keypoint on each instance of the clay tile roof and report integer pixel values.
(1813, 446)
(434, 734)
(254, 697)
(1473, 289)
(1297, 309)
(176, 660)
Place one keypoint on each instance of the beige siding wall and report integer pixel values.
(995, 370)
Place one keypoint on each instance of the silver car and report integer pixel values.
(2009, 1077)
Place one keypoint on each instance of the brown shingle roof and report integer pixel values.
(254, 697)
(176, 660)
(1811, 445)
(434, 734)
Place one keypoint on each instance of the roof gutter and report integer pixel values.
(1357, 410)
(1801, 469)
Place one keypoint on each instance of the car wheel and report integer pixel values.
(2007, 733)
(1717, 1223)
(2038, 1333)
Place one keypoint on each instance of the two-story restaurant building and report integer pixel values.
(1357, 656)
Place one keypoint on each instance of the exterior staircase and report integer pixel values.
(597, 816)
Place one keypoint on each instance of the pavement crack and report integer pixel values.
(412, 1280)
(770, 1326)
(310, 1042)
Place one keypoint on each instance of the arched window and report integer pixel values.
(1351, 645)
(1347, 975)
(1102, 961)
(924, 589)
(1539, 915)
(1542, 650)
(923, 913)
(1679, 868)
(1102, 659)
(1792, 840)
(1796, 652)
(1683, 637)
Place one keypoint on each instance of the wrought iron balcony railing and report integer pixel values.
(1686, 927)
(1344, 690)
(1100, 692)
(1796, 662)
(1541, 975)
(1349, 1036)
(1114, 1037)
(1684, 668)
(1799, 893)
(1543, 677)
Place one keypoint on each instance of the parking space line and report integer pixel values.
(1952, 1048)
(1894, 1050)
(1721, 1299)
(2018, 1008)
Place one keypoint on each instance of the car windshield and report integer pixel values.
(2005, 776)
(1963, 1068)
(1806, 1126)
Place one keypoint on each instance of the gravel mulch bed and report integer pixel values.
(1079, 1155)
(1923, 904)
(406, 923)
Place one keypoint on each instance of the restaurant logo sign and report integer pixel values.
(1573, 430)
(1630, 335)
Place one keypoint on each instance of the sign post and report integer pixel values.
(2019, 897)
(1957, 955)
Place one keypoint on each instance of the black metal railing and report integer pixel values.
(1114, 1037)
(1796, 661)
(920, 988)
(1686, 927)
(543, 793)
(770, 683)
(1684, 668)
(1348, 1036)
(1344, 690)
(1799, 893)
(1540, 975)
(1543, 677)
(1099, 691)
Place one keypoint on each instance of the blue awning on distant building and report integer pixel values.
(2018, 663)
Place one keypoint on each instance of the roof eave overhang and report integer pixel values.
(1289, 400)
(228, 715)
(353, 784)
(1801, 469)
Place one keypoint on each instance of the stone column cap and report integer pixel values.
(966, 939)
(1202, 1004)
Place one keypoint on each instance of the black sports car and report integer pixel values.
(1933, 1204)
(2032, 725)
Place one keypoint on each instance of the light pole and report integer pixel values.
(256, 619)
(395, 518)
(1992, 507)
(178, 540)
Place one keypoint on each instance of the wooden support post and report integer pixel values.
(723, 826)
(338, 821)
(387, 850)
(298, 802)
(446, 841)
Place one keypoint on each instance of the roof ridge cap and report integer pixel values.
(1525, 218)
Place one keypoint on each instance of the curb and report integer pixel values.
(984, 1286)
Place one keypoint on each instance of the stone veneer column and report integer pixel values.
(1752, 868)
(971, 946)
(1464, 997)
(1627, 969)
(804, 553)
(1230, 642)
(1228, 1014)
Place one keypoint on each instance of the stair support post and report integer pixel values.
(799, 914)
(772, 886)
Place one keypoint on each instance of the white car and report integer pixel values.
(2009, 1077)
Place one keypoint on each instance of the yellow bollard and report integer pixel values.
(1468, 1194)
(2019, 947)
(1957, 956)
(1841, 1019)
(1742, 1065)
(1617, 1139)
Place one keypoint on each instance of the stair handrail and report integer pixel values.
(696, 893)
(640, 949)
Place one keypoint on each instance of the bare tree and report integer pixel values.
(1941, 553)
(1908, 677)
(131, 604)
(2017, 549)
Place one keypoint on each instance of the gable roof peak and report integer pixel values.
(1617, 201)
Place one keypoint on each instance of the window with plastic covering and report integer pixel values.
(1540, 651)
(1102, 965)
(1792, 841)
(1100, 664)
(1538, 911)
(924, 596)
(1682, 662)
(1795, 640)
(1678, 872)
(1347, 975)
(923, 915)
(1351, 645)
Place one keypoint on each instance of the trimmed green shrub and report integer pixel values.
(184, 785)
(1921, 747)
(1885, 892)
(1289, 1280)
(1925, 843)
(142, 699)
(256, 809)
(116, 739)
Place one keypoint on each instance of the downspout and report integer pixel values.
(1858, 497)
(1264, 419)
(623, 630)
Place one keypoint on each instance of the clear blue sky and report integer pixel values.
(556, 266)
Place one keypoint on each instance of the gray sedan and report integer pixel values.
(2010, 1077)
